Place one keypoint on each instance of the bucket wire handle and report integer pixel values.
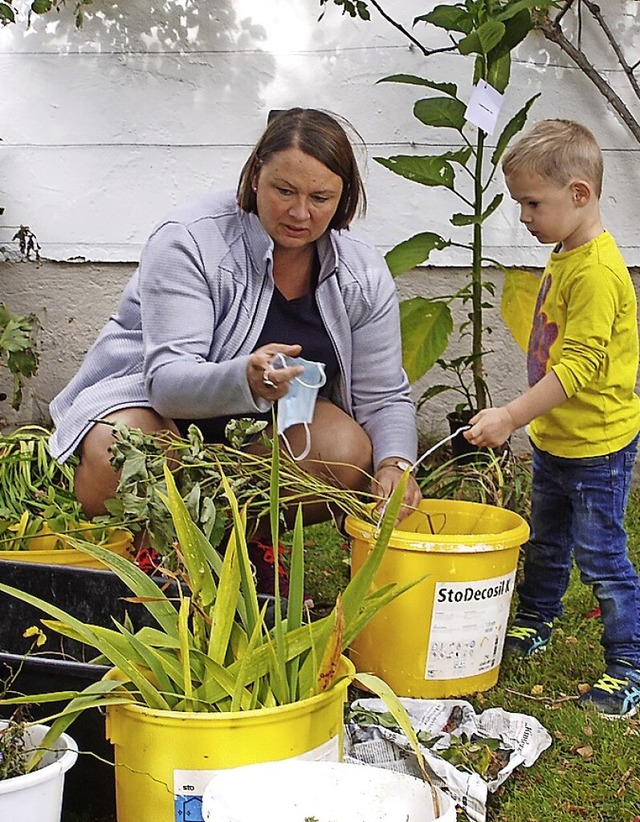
(414, 465)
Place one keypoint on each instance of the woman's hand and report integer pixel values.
(267, 382)
(386, 479)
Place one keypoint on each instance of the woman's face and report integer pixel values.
(296, 198)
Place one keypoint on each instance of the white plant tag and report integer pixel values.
(484, 106)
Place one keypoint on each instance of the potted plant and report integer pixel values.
(17, 350)
(31, 777)
(487, 31)
(33, 794)
(210, 686)
(38, 508)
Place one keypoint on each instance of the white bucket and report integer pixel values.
(295, 791)
(37, 796)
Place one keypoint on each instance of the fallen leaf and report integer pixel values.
(588, 730)
(585, 751)
(537, 689)
(583, 687)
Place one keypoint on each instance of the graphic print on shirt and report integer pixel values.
(543, 335)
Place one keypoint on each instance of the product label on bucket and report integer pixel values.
(468, 626)
(189, 785)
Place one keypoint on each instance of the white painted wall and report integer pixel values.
(105, 128)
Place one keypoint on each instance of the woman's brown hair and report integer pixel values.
(322, 137)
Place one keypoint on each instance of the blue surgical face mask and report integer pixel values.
(297, 405)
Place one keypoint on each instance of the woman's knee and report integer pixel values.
(95, 478)
(341, 451)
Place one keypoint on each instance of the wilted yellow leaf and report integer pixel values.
(37, 632)
(518, 303)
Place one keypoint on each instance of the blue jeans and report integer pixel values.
(578, 507)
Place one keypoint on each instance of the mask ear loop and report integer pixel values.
(307, 446)
(427, 453)
(321, 381)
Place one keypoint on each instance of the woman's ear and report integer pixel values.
(582, 192)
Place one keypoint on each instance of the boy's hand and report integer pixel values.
(491, 427)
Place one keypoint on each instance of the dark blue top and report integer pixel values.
(293, 322)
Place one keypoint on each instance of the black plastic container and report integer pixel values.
(95, 597)
(461, 449)
(61, 664)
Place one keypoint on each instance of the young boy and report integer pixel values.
(581, 409)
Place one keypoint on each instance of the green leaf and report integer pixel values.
(483, 39)
(433, 391)
(425, 326)
(519, 295)
(499, 72)
(477, 219)
(201, 580)
(451, 18)
(517, 27)
(15, 336)
(428, 171)
(224, 607)
(513, 9)
(413, 252)
(151, 596)
(186, 641)
(460, 155)
(379, 687)
(7, 13)
(151, 658)
(94, 695)
(441, 112)
(296, 595)
(448, 88)
(515, 124)
(41, 6)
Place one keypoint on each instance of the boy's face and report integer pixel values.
(552, 213)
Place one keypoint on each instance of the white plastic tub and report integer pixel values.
(296, 791)
(37, 796)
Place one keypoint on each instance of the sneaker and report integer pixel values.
(616, 695)
(262, 558)
(528, 635)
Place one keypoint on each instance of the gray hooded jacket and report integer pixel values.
(190, 317)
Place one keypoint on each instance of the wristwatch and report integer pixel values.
(403, 465)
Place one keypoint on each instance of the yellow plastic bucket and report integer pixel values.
(444, 637)
(44, 550)
(165, 759)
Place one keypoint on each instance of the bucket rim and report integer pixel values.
(515, 533)
(65, 746)
(346, 670)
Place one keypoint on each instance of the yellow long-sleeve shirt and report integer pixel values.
(585, 330)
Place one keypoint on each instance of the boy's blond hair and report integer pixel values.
(559, 151)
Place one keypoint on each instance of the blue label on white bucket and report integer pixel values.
(189, 785)
(468, 627)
